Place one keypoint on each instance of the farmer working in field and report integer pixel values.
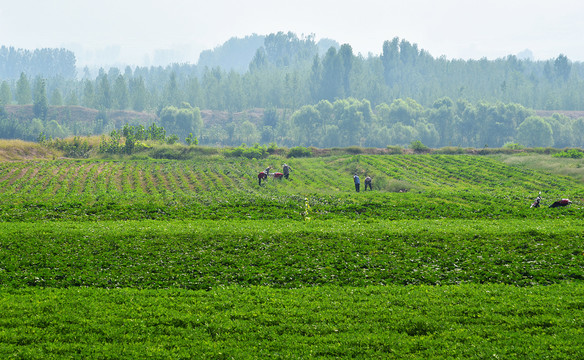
(368, 183)
(357, 182)
(286, 170)
(263, 175)
(563, 202)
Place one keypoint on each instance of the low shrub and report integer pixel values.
(546, 150)
(418, 146)
(257, 151)
(204, 150)
(354, 150)
(397, 186)
(299, 151)
(493, 151)
(450, 150)
(172, 139)
(273, 149)
(514, 146)
(75, 148)
(382, 182)
(570, 153)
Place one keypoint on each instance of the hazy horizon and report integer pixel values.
(146, 33)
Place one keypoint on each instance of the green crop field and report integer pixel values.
(444, 259)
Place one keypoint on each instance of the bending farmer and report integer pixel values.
(368, 183)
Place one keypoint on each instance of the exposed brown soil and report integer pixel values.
(122, 117)
(79, 114)
(570, 114)
(221, 118)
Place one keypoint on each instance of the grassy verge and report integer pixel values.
(17, 150)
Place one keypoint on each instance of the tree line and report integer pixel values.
(352, 122)
(47, 63)
(449, 101)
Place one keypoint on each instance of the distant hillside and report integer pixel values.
(120, 117)
(222, 118)
(80, 114)
(570, 114)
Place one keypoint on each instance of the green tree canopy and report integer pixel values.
(535, 131)
(182, 120)
(307, 119)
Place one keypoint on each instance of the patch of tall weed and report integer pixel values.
(565, 166)
(392, 185)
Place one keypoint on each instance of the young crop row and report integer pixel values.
(289, 254)
(385, 322)
(27, 181)
(462, 171)
(47, 179)
(439, 187)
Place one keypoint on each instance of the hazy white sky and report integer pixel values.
(110, 31)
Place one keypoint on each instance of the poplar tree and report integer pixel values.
(138, 93)
(121, 97)
(23, 93)
(5, 94)
(41, 103)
